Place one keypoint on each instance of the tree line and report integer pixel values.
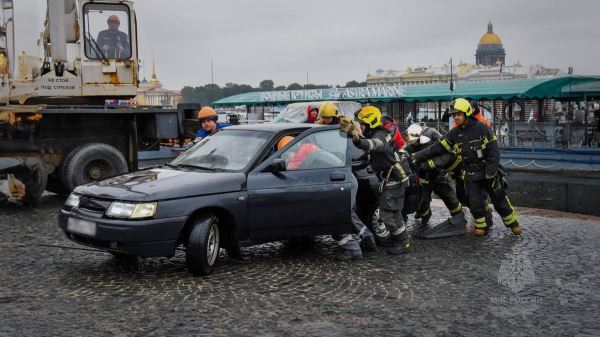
(209, 93)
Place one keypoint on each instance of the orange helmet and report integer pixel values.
(284, 141)
(207, 113)
(113, 18)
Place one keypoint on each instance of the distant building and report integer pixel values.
(152, 93)
(490, 51)
(489, 66)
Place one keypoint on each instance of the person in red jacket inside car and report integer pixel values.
(349, 246)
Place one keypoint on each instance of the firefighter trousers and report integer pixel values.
(442, 187)
(391, 202)
(477, 192)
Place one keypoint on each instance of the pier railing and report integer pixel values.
(538, 135)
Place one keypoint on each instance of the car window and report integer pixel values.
(325, 149)
(226, 150)
(106, 31)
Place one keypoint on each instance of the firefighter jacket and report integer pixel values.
(435, 166)
(388, 164)
(476, 147)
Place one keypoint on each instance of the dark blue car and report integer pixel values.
(231, 189)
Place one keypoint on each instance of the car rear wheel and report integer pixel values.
(203, 246)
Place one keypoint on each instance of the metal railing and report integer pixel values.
(550, 135)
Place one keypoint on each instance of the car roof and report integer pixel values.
(272, 127)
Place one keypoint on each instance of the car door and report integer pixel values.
(310, 196)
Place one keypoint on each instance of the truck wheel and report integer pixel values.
(203, 246)
(91, 162)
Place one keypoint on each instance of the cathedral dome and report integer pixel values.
(490, 51)
(490, 37)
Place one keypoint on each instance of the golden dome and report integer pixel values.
(490, 37)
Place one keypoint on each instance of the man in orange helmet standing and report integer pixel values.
(113, 42)
(209, 119)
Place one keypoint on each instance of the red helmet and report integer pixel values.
(312, 113)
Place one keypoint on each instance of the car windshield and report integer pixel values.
(230, 150)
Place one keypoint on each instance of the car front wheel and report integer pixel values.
(203, 246)
(382, 235)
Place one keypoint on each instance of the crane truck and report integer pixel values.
(56, 129)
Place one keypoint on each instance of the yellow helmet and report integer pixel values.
(328, 110)
(462, 105)
(371, 116)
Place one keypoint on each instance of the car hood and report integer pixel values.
(164, 183)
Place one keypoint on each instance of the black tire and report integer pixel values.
(204, 243)
(380, 232)
(91, 162)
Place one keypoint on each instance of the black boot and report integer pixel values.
(349, 250)
(401, 244)
(347, 254)
(368, 243)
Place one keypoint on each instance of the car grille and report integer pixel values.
(97, 207)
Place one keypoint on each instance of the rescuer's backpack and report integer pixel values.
(390, 124)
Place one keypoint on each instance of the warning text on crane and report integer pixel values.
(59, 86)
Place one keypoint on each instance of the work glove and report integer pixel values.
(418, 157)
(346, 125)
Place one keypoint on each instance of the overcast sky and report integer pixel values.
(336, 41)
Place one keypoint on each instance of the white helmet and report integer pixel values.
(414, 131)
(419, 133)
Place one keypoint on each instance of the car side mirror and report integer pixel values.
(277, 165)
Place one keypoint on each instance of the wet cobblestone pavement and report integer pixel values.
(544, 283)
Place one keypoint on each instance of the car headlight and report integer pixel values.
(131, 211)
(72, 200)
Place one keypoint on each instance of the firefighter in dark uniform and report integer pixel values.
(434, 178)
(392, 170)
(329, 115)
(476, 145)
